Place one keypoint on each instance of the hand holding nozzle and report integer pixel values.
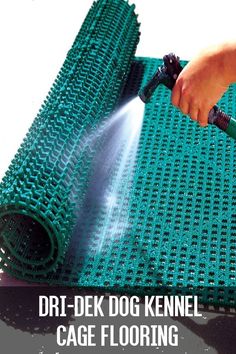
(167, 75)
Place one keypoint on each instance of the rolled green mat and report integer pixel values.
(169, 224)
(44, 187)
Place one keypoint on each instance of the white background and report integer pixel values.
(35, 36)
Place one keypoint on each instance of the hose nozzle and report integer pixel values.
(166, 75)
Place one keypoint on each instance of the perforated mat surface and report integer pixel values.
(171, 227)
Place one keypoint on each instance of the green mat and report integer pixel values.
(171, 227)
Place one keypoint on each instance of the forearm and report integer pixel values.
(223, 58)
(228, 52)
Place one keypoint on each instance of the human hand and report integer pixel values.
(201, 84)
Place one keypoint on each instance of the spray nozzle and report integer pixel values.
(166, 75)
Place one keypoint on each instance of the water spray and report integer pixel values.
(167, 75)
